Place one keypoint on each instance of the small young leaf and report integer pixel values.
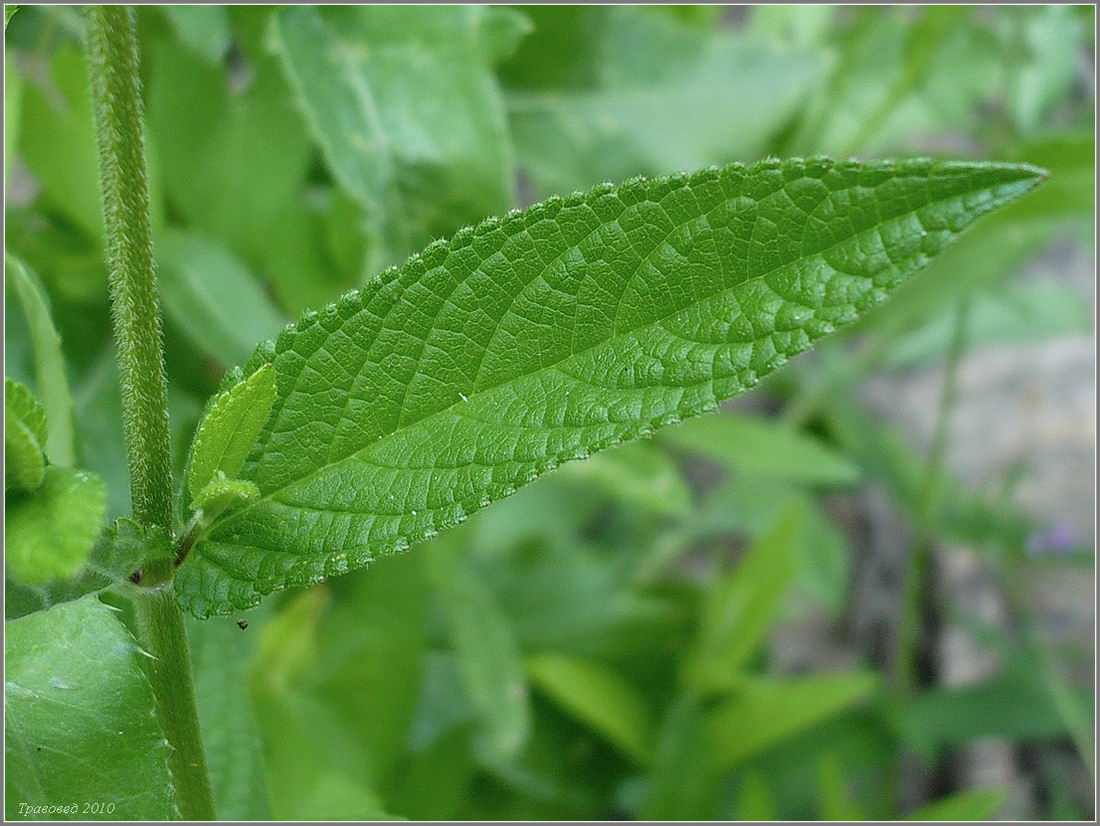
(222, 494)
(229, 430)
(50, 530)
(81, 718)
(552, 333)
(24, 438)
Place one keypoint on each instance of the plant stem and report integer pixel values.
(113, 56)
(927, 502)
(112, 47)
(160, 631)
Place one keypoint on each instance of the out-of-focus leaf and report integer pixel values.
(336, 683)
(49, 532)
(9, 10)
(764, 711)
(51, 382)
(683, 781)
(757, 447)
(57, 140)
(446, 767)
(120, 550)
(1049, 39)
(205, 29)
(13, 102)
(213, 297)
(836, 801)
(600, 698)
(24, 438)
(233, 159)
(404, 106)
(1015, 312)
(637, 474)
(974, 804)
(738, 609)
(81, 719)
(755, 799)
(486, 649)
(1015, 705)
(221, 656)
(686, 99)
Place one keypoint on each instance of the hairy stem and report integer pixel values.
(160, 631)
(113, 56)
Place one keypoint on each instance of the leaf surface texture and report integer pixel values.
(551, 333)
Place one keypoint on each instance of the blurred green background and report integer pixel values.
(862, 591)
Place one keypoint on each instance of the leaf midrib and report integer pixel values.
(270, 495)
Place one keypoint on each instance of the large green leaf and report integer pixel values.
(545, 336)
(406, 111)
(81, 719)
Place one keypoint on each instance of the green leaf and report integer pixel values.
(52, 384)
(57, 141)
(485, 646)
(120, 550)
(81, 719)
(204, 29)
(639, 474)
(598, 697)
(738, 610)
(660, 95)
(230, 429)
(1016, 705)
(757, 448)
(24, 438)
(221, 494)
(221, 656)
(553, 333)
(50, 531)
(9, 11)
(213, 297)
(404, 106)
(973, 804)
(765, 711)
(233, 160)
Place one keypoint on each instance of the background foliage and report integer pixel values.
(622, 638)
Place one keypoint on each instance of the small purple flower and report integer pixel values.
(1056, 539)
